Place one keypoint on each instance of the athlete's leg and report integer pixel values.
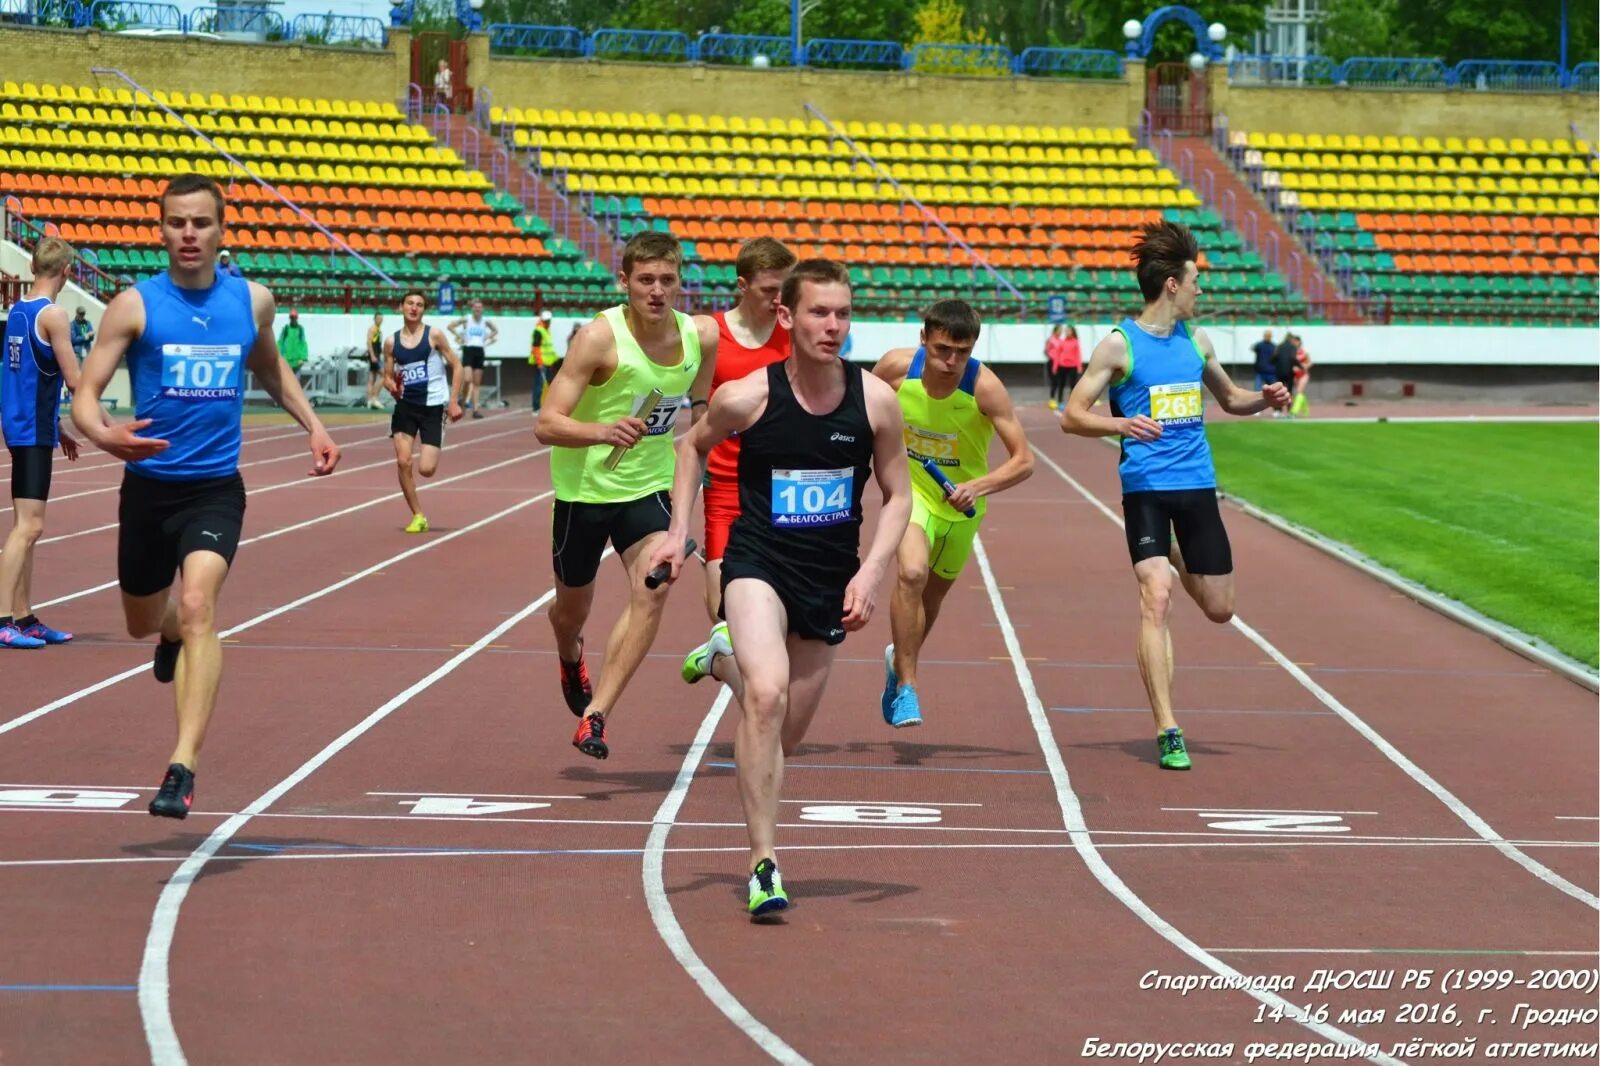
(810, 662)
(714, 589)
(16, 562)
(1202, 555)
(635, 631)
(569, 611)
(1155, 643)
(1213, 593)
(477, 388)
(428, 460)
(759, 623)
(404, 444)
(906, 620)
(200, 661)
(932, 600)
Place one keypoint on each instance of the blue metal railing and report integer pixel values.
(338, 29)
(44, 12)
(1584, 78)
(244, 168)
(1282, 70)
(959, 59)
(1384, 72)
(1507, 75)
(977, 257)
(253, 20)
(840, 52)
(134, 14)
(1069, 62)
(743, 48)
(548, 40)
(641, 44)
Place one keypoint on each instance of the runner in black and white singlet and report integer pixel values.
(812, 429)
(414, 360)
(474, 333)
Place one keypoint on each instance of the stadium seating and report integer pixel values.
(1509, 223)
(1055, 209)
(92, 160)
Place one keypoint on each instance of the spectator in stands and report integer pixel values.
(292, 342)
(542, 357)
(82, 334)
(443, 93)
(1266, 372)
(226, 265)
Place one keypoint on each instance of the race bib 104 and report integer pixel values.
(1176, 405)
(660, 418)
(201, 371)
(940, 448)
(812, 497)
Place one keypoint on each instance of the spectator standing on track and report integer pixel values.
(374, 361)
(1155, 367)
(542, 357)
(952, 406)
(812, 429)
(292, 342)
(475, 334)
(36, 360)
(1066, 362)
(414, 362)
(1266, 369)
(82, 334)
(189, 335)
(1302, 380)
(1283, 364)
(619, 391)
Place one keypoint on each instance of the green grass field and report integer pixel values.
(1499, 516)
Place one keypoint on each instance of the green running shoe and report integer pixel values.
(1174, 753)
(766, 890)
(697, 664)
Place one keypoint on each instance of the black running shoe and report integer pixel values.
(165, 666)
(591, 737)
(176, 794)
(575, 688)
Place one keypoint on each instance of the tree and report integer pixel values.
(1454, 30)
(1102, 26)
(1361, 28)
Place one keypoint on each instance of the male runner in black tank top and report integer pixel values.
(812, 428)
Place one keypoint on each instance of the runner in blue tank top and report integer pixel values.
(189, 335)
(414, 361)
(1155, 367)
(35, 362)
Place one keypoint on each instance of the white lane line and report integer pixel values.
(1576, 818)
(89, 690)
(1396, 951)
(477, 795)
(660, 906)
(154, 989)
(1078, 830)
(1257, 810)
(330, 516)
(1417, 774)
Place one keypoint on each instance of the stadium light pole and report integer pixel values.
(794, 32)
(1563, 44)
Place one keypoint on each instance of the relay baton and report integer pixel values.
(655, 577)
(645, 404)
(944, 483)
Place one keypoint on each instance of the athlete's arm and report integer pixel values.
(58, 331)
(442, 343)
(1234, 400)
(893, 366)
(494, 333)
(700, 391)
(1108, 363)
(121, 325)
(734, 408)
(893, 474)
(994, 403)
(591, 359)
(281, 383)
(458, 327)
(391, 381)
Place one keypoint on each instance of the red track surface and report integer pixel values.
(942, 912)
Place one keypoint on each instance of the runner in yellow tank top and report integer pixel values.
(953, 406)
(593, 408)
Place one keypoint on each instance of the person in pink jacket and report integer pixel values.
(1066, 362)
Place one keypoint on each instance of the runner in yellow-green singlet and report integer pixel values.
(953, 406)
(593, 407)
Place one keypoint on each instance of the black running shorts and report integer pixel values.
(30, 471)
(815, 612)
(579, 532)
(472, 357)
(1152, 518)
(415, 419)
(162, 522)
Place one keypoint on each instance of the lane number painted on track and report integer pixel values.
(870, 814)
(66, 798)
(466, 805)
(1274, 822)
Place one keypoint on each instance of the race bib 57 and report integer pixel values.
(812, 497)
(659, 419)
(201, 371)
(1176, 405)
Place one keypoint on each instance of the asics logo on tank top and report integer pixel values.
(843, 437)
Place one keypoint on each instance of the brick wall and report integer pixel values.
(1458, 113)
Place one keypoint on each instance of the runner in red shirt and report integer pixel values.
(750, 339)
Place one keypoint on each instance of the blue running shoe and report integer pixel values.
(907, 708)
(12, 637)
(40, 631)
(891, 685)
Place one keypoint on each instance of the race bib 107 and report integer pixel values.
(201, 371)
(1176, 405)
(812, 497)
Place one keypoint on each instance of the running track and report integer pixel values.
(397, 857)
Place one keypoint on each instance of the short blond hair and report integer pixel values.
(52, 256)
(763, 253)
